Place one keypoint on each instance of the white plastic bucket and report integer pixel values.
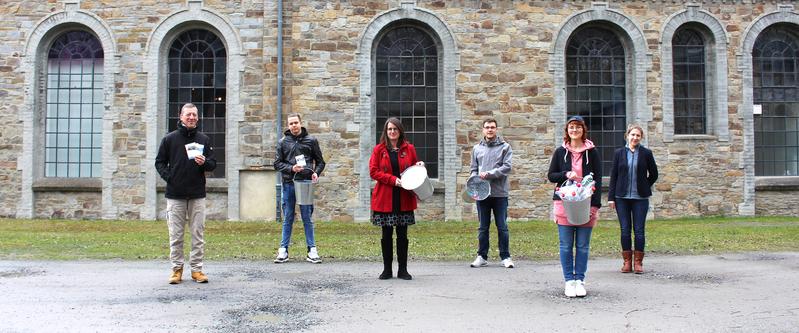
(578, 212)
(415, 179)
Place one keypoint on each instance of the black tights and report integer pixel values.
(402, 232)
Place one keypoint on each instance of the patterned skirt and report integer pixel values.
(391, 219)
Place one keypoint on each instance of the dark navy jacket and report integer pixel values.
(646, 174)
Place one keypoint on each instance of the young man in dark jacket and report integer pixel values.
(184, 156)
(298, 157)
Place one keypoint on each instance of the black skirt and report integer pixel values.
(393, 219)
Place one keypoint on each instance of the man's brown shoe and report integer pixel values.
(199, 277)
(177, 276)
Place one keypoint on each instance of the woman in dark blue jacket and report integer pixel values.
(631, 178)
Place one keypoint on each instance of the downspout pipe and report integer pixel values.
(279, 119)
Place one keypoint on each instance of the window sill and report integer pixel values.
(777, 183)
(212, 185)
(697, 137)
(438, 186)
(68, 185)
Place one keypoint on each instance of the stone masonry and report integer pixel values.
(502, 59)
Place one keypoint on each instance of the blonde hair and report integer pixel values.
(632, 127)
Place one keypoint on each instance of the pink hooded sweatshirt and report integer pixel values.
(577, 166)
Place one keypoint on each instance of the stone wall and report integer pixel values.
(504, 52)
(778, 203)
(68, 205)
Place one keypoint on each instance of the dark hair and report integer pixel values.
(489, 120)
(294, 115)
(384, 137)
(575, 119)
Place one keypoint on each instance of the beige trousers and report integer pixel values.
(178, 213)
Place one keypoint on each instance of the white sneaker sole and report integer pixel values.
(314, 261)
(478, 266)
(280, 261)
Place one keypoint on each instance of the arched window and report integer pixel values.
(690, 103)
(73, 122)
(596, 87)
(406, 82)
(197, 74)
(775, 64)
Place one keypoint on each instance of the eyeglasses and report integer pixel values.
(391, 129)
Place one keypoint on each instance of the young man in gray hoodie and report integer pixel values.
(491, 161)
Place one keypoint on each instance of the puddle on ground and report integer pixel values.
(687, 278)
(266, 318)
(180, 298)
(21, 272)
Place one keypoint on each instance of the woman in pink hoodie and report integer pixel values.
(576, 158)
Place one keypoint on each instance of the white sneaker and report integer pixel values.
(479, 262)
(507, 262)
(313, 256)
(579, 288)
(568, 290)
(282, 255)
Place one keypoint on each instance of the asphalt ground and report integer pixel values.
(749, 292)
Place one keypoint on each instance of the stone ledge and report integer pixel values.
(438, 186)
(68, 185)
(676, 137)
(212, 185)
(777, 183)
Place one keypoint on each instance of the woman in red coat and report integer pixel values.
(392, 205)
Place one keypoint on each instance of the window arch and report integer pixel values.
(73, 120)
(596, 86)
(775, 83)
(406, 83)
(690, 102)
(196, 73)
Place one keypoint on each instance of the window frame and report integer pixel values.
(421, 149)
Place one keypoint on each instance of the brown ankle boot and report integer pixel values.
(628, 261)
(638, 265)
(177, 276)
(199, 277)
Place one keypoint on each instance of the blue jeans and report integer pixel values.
(632, 213)
(499, 205)
(574, 267)
(289, 200)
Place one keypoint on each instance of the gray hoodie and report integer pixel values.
(493, 157)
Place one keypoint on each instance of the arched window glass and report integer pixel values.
(197, 74)
(406, 82)
(73, 120)
(688, 50)
(775, 89)
(596, 87)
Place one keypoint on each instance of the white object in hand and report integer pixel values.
(300, 160)
(194, 149)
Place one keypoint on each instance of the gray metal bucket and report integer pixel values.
(477, 188)
(303, 192)
(578, 212)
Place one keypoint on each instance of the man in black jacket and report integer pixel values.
(298, 157)
(184, 156)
